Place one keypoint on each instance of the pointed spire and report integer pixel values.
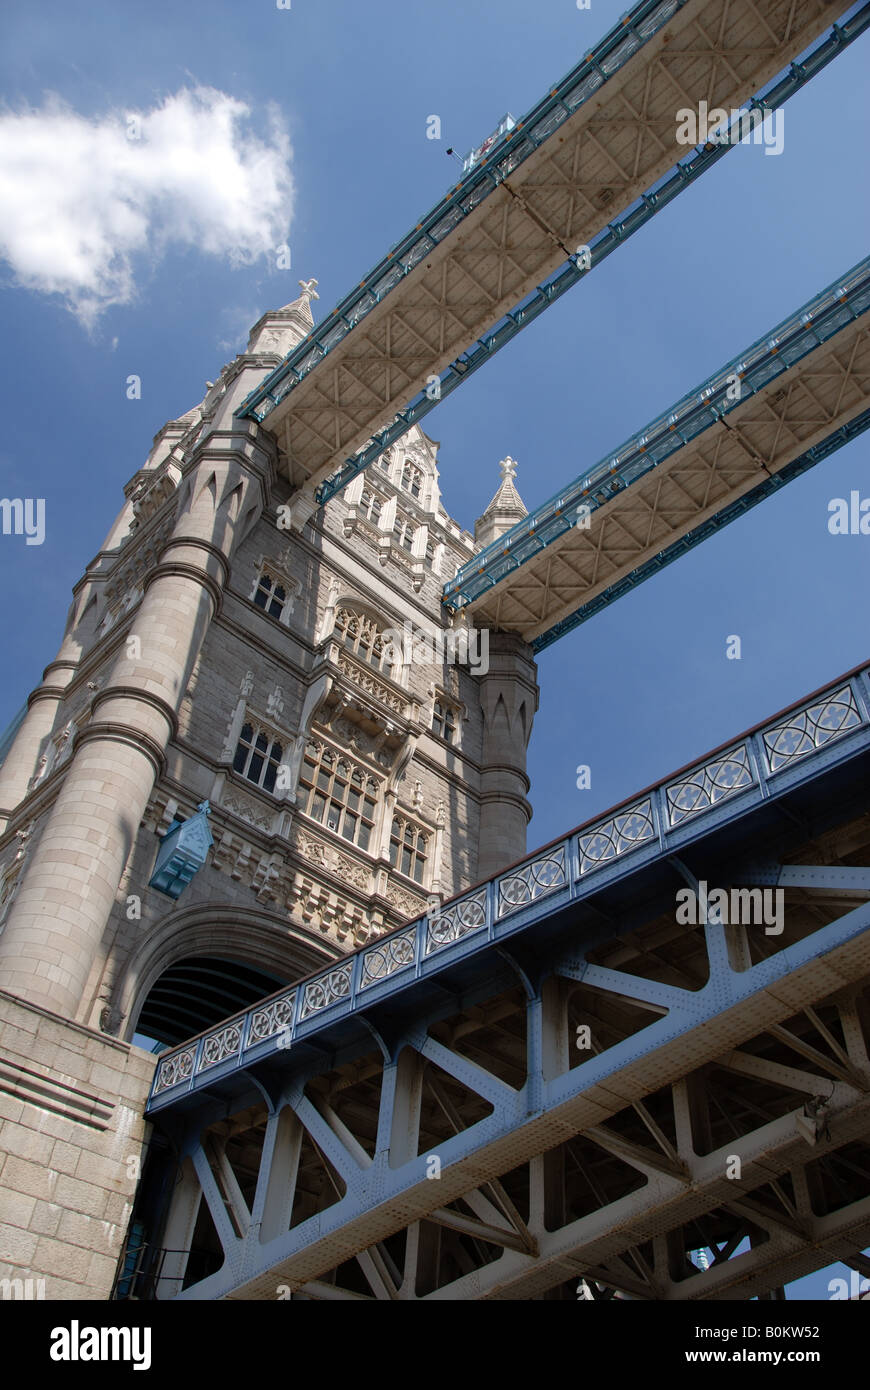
(280, 330)
(505, 509)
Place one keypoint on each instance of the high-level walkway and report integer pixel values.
(780, 407)
(552, 1076)
(586, 168)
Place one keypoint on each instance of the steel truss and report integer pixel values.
(310, 1166)
(778, 408)
(480, 263)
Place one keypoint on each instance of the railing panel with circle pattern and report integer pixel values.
(744, 768)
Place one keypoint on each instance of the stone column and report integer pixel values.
(20, 762)
(58, 919)
(508, 699)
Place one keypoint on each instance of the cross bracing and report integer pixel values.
(305, 1128)
(773, 411)
(503, 244)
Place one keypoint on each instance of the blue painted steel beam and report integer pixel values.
(462, 201)
(795, 338)
(788, 756)
(732, 1005)
(619, 44)
(715, 523)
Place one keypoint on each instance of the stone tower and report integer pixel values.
(284, 683)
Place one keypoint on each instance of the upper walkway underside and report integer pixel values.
(778, 408)
(603, 142)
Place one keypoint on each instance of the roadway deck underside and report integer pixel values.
(516, 228)
(549, 569)
(578, 1081)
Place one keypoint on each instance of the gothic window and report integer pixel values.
(412, 479)
(270, 595)
(403, 533)
(384, 463)
(409, 848)
(430, 553)
(370, 505)
(444, 721)
(258, 755)
(338, 793)
(362, 637)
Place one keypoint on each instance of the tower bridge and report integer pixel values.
(483, 1074)
(308, 1124)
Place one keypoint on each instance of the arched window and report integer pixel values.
(362, 636)
(430, 553)
(338, 793)
(370, 505)
(270, 595)
(409, 849)
(444, 720)
(258, 755)
(403, 532)
(412, 479)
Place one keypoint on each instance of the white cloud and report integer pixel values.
(82, 201)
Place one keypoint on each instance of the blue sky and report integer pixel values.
(331, 155)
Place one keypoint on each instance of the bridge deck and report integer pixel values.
(597, 142)
(804, 389)
(319, 1108)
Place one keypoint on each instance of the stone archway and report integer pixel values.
(264, 946)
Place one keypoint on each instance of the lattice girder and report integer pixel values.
(598, 160)
(759, 438)
(485, 1077)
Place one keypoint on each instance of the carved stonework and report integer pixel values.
(247, 810)
(317, 906)
(352, 736)
(152, 490)
(406, 905)
(10, 876)
(314, 850)
(275, 703)
(368, 682)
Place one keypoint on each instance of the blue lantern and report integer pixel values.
(182, 853)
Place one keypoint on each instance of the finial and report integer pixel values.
(309, 288)
(508, 468)
(204, 806)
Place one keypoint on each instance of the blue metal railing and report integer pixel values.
(752, 371)
(790, 748)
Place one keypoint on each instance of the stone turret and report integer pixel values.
(505, 509)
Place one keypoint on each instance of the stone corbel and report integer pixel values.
(406, 753)
(314, 698)
(327, 622)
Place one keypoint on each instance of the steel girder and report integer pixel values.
(382, 1193)
(804, 389)
(369, 1150)
(783, 756)
(601, 139)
